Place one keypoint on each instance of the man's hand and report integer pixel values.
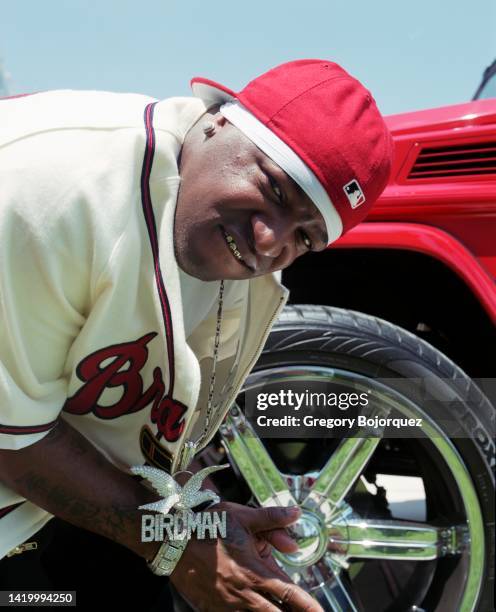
(238, 572)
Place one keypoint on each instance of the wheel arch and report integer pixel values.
(415, 276)
(433, 242)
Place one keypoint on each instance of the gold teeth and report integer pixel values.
(233, 246)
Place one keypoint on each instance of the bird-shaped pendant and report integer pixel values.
(175, 496)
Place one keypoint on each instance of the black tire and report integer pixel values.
(372, 347)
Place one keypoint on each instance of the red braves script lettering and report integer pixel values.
(166, 412)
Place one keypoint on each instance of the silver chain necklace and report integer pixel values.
(214, 365)
(190, 446)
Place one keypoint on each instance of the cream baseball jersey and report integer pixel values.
(93, 328)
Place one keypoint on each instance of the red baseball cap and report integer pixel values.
(322, 127)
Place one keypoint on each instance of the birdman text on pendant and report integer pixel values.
(182, 525)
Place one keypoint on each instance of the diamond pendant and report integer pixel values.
(174, 495)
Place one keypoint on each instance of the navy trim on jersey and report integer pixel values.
(16, 430)
(9, 509)
(152, 233)
(18, 96)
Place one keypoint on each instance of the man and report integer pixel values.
(140, 242)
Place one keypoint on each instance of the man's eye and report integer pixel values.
(306, 241)
(275, 187)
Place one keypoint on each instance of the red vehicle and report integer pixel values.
(403, 306)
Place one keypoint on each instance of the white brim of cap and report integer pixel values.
(278, 151)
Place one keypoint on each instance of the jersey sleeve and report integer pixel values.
(47, 259)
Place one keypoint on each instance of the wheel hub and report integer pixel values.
(312, 538)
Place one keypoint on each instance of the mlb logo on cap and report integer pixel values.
(354, 193)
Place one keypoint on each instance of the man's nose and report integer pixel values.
(271, 235)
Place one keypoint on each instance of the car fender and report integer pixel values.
(429, 241)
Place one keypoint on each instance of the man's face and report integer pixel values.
(231, 193)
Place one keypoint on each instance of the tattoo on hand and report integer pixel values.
(235, 535)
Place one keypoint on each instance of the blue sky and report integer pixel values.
(411, 55)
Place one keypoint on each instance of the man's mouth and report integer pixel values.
(233, 247)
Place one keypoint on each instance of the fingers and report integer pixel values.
(291, 596)
(265, 551)
(271, 564)
(281, 540)
(266, 519)
(259, 603)
(263, 546)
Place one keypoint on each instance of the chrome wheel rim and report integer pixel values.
(330, 533)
